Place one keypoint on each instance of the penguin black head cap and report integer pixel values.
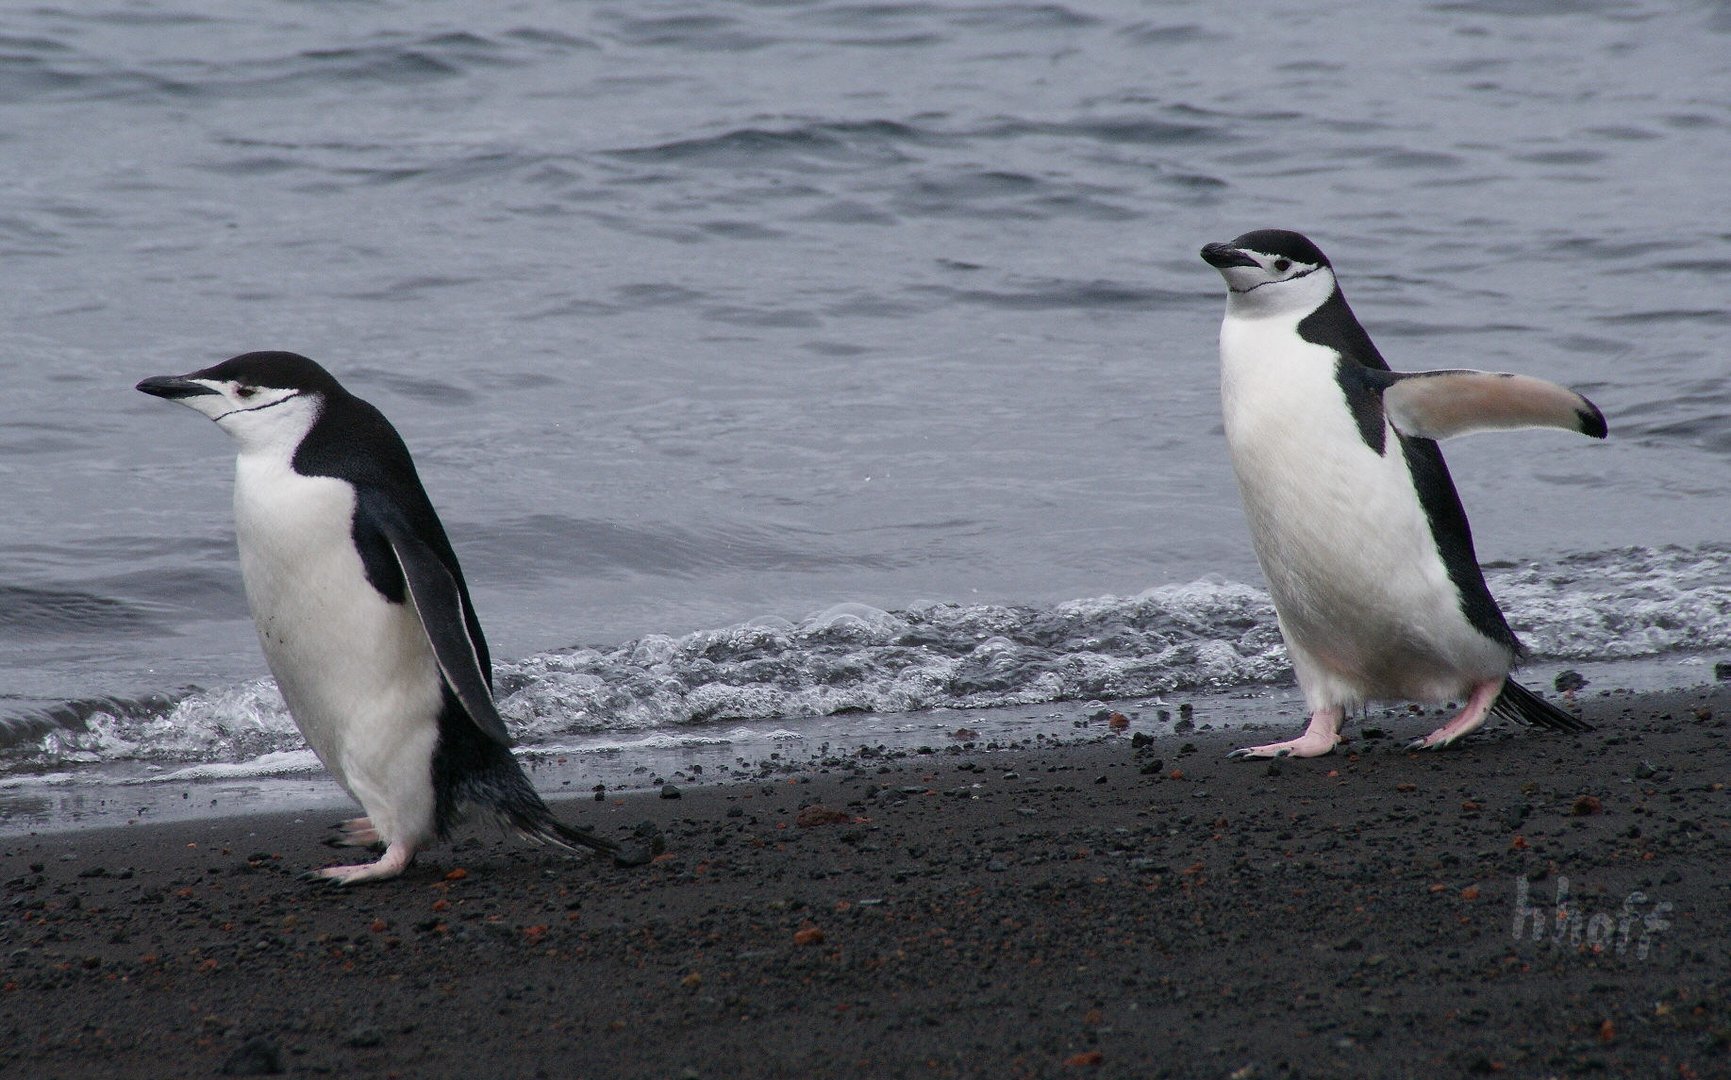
(1283, 243)
(281, 370)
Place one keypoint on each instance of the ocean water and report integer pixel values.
(776, 361)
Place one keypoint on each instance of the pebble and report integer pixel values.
(258, 1056)
(366, 1035)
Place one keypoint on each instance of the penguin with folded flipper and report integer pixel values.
(363, 613)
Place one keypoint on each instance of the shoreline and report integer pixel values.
(1084, 908)
(128, 793)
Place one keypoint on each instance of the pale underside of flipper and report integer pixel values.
(1441, 404)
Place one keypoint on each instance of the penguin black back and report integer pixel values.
(1334, 326)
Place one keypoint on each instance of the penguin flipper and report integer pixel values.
(439, 605)
(1439, 404)
(1521, 705)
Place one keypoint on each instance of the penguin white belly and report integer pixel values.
(1365, 602)
(357, 671)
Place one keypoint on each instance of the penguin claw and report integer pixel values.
(1426, 744)
(1295, 748)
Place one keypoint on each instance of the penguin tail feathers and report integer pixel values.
(531, 820)
(475, 775)
(544, 828)
(1521, 705)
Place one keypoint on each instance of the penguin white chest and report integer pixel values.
(1365, 601)
(357, 671)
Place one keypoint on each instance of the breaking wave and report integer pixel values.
(852, 658)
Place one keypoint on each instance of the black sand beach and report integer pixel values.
(1095, 909)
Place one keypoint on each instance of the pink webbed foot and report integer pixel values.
(357, 832)
(396, 859)
(1469, 720)
(1319, 738)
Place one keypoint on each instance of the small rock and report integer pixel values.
(364, 1036)
(258, 1056)
(1569, 681)
(818, 814)
(668, 791)
(1722, 671)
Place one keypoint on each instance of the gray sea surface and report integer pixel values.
(777, 360)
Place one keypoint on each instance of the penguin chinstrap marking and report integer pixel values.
(363, 613)
(1355, 520)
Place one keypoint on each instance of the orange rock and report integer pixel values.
(808, 935)
(457, 875)
(1086, 1059)
(817, 814)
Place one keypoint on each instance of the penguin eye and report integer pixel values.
(244, 392)
(1281, 266)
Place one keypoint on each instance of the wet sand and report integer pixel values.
(1094, 909)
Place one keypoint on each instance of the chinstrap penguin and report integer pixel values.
(363, 613)
(1354, 517)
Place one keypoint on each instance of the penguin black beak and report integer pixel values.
(173, 387)
(1220, 256)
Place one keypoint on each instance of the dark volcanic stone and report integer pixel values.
(258, 1056)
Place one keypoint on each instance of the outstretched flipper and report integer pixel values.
(1440, 404)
